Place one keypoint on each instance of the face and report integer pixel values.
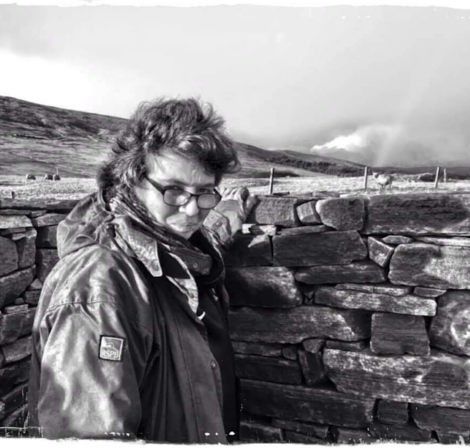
(171, 170)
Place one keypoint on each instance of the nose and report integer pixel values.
(190, 208)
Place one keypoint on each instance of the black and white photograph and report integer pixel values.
(234, 222)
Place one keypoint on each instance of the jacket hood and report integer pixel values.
(81, 226)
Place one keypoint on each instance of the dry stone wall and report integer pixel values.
(350, 318)
(349, 315)
(27, 254)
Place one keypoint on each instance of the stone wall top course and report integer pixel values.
(14, 221)
(419, 214)
(342, 213)
(48, 204)
(278, 211)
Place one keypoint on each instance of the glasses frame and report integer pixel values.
(162, 191)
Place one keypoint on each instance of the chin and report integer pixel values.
(185, 233)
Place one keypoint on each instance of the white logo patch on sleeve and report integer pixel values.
(111, 348)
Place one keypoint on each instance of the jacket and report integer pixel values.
(119, 349)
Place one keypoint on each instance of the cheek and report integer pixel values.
(161, 212)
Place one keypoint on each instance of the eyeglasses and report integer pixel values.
(178, 197)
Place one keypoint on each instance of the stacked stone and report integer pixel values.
(27, 254)
(350, 318)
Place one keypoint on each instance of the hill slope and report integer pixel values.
(38, 139)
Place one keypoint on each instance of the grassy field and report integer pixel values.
(73, 188)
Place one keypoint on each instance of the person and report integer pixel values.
(131, 337)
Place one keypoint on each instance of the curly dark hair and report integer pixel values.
(188, 127)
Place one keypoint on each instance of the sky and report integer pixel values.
(378, 84)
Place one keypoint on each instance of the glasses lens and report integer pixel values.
(176, 197)
(208, 200)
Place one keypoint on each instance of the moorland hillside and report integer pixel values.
(37, 139)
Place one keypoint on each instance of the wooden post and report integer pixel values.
(436, 181)
(366, 175)
(271, 181)
(445, 175)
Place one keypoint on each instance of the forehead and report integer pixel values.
(170, 166)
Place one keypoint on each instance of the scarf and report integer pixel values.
(197, 261)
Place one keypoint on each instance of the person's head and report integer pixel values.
(170, 144)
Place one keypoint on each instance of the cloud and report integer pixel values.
(397, 145)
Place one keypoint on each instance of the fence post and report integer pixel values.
(271, 181)
(436, 181)
(445, 175)
(366, 175)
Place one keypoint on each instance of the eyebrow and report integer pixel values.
(178, 182)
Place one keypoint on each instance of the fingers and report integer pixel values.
(237, 194)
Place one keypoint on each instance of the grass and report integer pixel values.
(74, 188)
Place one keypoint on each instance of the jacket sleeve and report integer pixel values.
(219, 226)
(93, 359)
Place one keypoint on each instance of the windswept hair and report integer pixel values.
(185, 126)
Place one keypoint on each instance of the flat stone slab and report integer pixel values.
(278, 211)
(419, 214)
(411, 305)
(14, 374)
(17, 350)
(349, 436)
(10, 327)
(49, 204)
(304, 230)
(14, 221)
(439, 379)
(257, 348)
(297, 437)
(421, 264)
(259, 432)
(49, 219)
(345, 213)
(455, 241)
(47, 237)
(269, 369)
(348, 346)
(313, 249)
(321, 405)
(436, 418)
(403, 433)
(256, 229)
(379, 252)
(14, 284)
(248, 250)
(428, 292)
(26, 248)
(8, 256)
(263, 286)
(392, 412)
(450, 327)
(395, 334)
(358, 272)
(309, 429)
(384, 288)
(46, 259)
(397, 239)
(307, 213)
(293, 325)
